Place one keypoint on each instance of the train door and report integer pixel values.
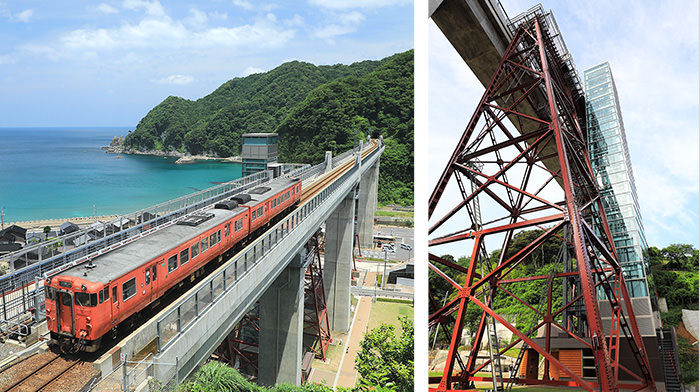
(150, 275)
(115, 305)
(64, 306)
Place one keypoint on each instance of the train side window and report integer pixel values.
(106, 293)
(185, 256)
(194, 250)
(205, 244)
(148, 276)
(227, 229)
(128, 289)
(114, 294)
(254, 212)
(218, 234)
(212, 239)
(172, 263)
(155, 276)
(102, 296)
(238, 225)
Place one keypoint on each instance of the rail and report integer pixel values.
(147, 221)
(186, 310)
(22, 291)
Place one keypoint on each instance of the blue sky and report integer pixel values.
(652, 47)
(78, 63)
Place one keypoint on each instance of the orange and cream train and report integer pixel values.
(86, 302)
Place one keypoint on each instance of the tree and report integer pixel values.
(386, 360)
(47, 230)
(681, 257)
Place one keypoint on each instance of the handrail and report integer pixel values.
(188, 309)
(16, 301)
(164, 213)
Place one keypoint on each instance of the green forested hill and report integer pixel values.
(313, 108)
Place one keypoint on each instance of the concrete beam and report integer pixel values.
(337, 266)
(367, 205)
(208, 330)
(281, 327)
(476, 31)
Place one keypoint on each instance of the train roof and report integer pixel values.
(116, 263)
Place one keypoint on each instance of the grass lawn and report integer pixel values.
(388, 313)
(395, 214)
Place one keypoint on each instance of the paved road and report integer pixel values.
(402, 234)
(371, 292)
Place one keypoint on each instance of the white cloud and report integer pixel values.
(153, 8)
(25, 15)
(164, 33)
(177, 79)
(107, 9)
(348, 4)
(218, 15)
(346, 23)
(197, 18)
(352, 18)
(296, 21)
(656, 73)
(245, 4)
(252, 70)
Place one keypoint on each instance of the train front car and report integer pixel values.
(73, 312)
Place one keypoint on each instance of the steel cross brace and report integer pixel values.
(529, 89)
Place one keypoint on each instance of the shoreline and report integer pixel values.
(116, 147)
(81, 221)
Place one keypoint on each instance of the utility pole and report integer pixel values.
(384, 275)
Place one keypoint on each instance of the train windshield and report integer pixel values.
(66, 300)
(85, 299)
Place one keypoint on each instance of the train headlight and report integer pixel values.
(83, 287)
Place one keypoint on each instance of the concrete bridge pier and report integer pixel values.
(337, 266)
(367, 205)
(281, 326)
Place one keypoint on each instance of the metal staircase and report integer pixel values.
(669, 359)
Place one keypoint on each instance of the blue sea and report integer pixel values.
(48, 173)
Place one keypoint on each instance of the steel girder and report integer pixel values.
(317, 332)
(240, 348)
(524, 153)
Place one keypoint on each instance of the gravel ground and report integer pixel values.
(24, 368)
(71, 381)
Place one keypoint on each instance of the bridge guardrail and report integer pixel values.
(188, 309)
(163, 213)
(17, 295)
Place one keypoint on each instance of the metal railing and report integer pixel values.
(17, 295)
(188, 309)
(146, 220)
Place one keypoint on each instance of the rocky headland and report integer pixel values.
(116, 146)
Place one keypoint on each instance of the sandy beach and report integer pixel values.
(55, 223)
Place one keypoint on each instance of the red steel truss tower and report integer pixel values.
(521, 164)
(317, 332)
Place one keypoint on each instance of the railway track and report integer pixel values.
(320, 184)
(47, 371)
